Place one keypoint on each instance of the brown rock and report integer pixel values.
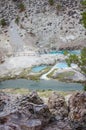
(33, 98)
(77, 107)
(57, 106)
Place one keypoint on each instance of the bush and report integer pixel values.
(66, 52)
(17, 20)
(51, 2)
(85, 88)
(58, 7)
(84, 19)
(84, 13)
(3, 22)
(21, 7)
(83, 3)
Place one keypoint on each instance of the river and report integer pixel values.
(41, 85)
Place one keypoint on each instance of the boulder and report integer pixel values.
(58, 106)
(30, 114)
(33, 97)
(19, 121)
(77, 108)
(34, 111)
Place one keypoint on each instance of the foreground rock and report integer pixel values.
(33, 97)
(32, 114)
(58, 106)
(77, 108)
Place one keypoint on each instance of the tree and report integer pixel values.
(79, 60)
(84, 19)
(83, 3)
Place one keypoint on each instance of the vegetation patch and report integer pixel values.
(24, 73)
(21, 7)
(51, 2)
(42, 93)
(20, 91)
(34, 77)
(17, 20)
(65, 75)
(83, 3)
(3, 22)
(46, 70)
(50, 75)
(58, 8)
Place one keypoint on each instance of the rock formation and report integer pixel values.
(57, 115)
(57, 106)
(40, 27)
(77, 111)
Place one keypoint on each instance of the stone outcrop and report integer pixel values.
(33, 97)
(30, 113)
(37, 116)
(58, 106)
(77, 108)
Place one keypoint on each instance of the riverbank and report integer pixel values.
(13, 66)
(45, 66)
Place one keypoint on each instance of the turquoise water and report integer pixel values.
(62, 65)
(38, 68)
(77, 52)
(41, 85)
(57, 52)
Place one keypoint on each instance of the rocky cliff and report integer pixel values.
(40, 25)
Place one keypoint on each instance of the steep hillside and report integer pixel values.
(36, 25)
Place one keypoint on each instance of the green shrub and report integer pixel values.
(51, 2)
(58, 7)
(84, 19)
(85, 88)
(17, 20)
(21, 7)
(66, 52)
(3, 22)
(79, 60)
(83, 3)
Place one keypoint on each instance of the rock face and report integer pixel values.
(30, 114)
(42, 25)
(57, 106)
(37, 116)
(77, 108)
